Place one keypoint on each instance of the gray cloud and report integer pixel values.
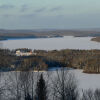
(7, 15)
(24, 8)
(40, 10)
(7, 6)
(56, 8)
(28, 16)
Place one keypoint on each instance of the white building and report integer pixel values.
(22, 53)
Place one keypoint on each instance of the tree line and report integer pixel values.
(88, 60)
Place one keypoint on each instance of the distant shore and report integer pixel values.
(28, 37)
(97, 39)
(18, 34)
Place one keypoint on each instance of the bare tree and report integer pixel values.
(91, 95)
(14, 86)
(32, 84)
(64, 86)
(28, 97)
(2, 86)
(97, 94)
(21, 85)
(25, 82)
(88, 95)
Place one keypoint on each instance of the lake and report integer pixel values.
(66, 42)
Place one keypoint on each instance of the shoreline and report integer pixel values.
(96, 39)
(22, 38)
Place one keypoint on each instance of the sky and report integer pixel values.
(49, 14)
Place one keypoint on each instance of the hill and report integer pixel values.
(5, 34)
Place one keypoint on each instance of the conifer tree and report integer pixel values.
(41, 90)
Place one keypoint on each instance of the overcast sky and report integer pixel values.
(49, 14)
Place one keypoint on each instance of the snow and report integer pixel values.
(67, 42)
(87, 81)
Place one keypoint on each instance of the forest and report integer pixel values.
(88, 60)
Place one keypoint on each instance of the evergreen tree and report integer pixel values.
(41, 90)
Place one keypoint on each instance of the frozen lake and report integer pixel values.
(67, 42)
(87, 81)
